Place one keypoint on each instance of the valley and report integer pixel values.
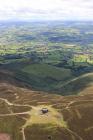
(39, 53)
(46, 81)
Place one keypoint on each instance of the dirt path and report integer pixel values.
(34, 114)
(73, 80)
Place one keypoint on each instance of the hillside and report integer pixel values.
(69, 117)
(76, 85)
(49, 78)
(39, 76)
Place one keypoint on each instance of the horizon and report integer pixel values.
(41, 21)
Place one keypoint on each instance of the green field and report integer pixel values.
(48, 71)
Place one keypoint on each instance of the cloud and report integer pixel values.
(46, 9)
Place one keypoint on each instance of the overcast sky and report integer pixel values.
(46, 9)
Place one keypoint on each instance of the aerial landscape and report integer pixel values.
(46, 70)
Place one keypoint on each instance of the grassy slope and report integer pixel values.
(44, 76)
(39, 76)
(55, 79)
(76, 85)
(45, 70)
